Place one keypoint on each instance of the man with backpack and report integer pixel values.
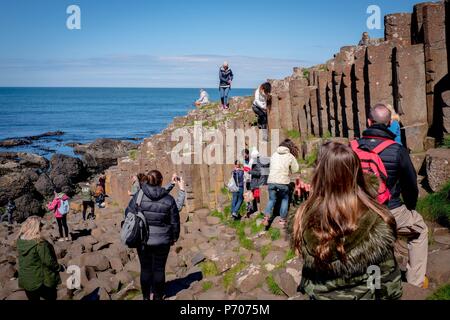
(402, 192)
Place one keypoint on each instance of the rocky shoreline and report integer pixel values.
(30, 179)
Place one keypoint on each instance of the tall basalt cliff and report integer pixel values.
(408, 69)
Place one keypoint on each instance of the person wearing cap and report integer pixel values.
(226, 78)
(88, 201)
(203, 100)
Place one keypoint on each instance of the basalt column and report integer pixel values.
(412, 96)
(436, 59)
(380, 73)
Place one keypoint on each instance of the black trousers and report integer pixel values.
(262, 117)
(87, 204)
(43, 292)
(62, 226)
(153, 270)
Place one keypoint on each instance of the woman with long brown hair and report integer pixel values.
(344, 235)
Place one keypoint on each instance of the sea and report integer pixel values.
(86, 114)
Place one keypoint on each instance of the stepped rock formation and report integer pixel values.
(408, 69)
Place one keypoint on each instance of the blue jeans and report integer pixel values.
(238, 199)
(224, 95)
(278, 192)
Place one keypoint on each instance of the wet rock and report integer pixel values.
(103, 153)
(10, 143)
(14, 185)
(27, 205)
(69, 167)
(44, 185)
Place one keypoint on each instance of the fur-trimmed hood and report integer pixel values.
(371, 244)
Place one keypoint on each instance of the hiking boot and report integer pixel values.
(236, 217)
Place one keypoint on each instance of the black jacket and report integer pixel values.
(260, 173)
(402, 177)
(161, 213)
(225, 76)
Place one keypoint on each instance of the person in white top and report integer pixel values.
(203, 100)
(262, 97)
(282, 164)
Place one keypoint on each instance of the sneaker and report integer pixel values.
(67, 239)
(236, 217)
(61, 239)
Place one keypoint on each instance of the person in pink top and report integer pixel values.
(60, 207)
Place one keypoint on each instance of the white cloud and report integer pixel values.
(142, 71)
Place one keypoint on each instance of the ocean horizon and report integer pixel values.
(85, 114)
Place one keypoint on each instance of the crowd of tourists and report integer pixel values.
(347, 222)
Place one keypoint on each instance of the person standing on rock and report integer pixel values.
(256, 181)
(38, 266)
(161, 212)
(9, 212)
(237, 197)
(343, 233)
(100, 196)
(87, 197)
(226, 78)
(262, 97)
(102, 182)
(402, 185)
(282, 164)
(60, 208)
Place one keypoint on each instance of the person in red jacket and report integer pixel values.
(60, 211)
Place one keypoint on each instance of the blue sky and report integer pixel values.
(168, 43)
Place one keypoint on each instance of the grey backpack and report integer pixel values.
(135, 232)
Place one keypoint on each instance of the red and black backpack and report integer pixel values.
(372, 164)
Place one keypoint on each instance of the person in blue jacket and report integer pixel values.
(395, 125)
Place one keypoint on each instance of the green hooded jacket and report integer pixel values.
(371, 245)
(38, 265)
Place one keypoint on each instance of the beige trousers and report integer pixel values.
(412, 225)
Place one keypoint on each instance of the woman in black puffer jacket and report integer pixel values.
(162, 214)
